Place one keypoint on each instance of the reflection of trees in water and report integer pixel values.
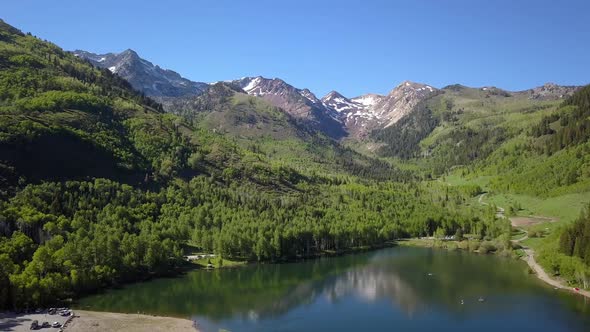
(250, 292)
(405, 281)
(398, 275)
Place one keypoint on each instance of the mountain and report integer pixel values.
(99, 186)
(373, 112)
(334, 115)
(401, 101)
(550, 91)
(299, 103)
(143, 75)
(355, 113)
(356, 116)
(257, 125)
(459, 125)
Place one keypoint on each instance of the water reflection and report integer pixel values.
(402, 283)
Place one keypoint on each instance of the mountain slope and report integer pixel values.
(357, 116)
(459, 125)
(370, 112)
(335, 115)
(62, 109)
(257, 125)
(71, 121)
(299, 103)
(143, 75)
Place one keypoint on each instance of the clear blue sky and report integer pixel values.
(354, 47)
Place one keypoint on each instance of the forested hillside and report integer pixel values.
(551, 158)
(403, 139)
(575, 240)
(101, 187)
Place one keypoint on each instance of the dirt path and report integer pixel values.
(499, 212)
(541, 274)
(526, 236)
(108, 321)
(530, 253)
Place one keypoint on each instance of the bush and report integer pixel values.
(487, 247)
(536, 233)
(463, 245)
(473, 245)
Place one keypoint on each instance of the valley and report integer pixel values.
(114, 170)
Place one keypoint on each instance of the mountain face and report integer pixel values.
(144, 76)
(550, 91)
(299, 103)
(401, 101)
(368, 112)
(358, 116)
(335, 115)
(356, 113)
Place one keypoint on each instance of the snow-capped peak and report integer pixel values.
(409, 85)
(143, 75)
(367, 100)
(309, 96)
(252, 84)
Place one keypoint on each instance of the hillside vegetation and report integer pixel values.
(539, 166)
(275, 135)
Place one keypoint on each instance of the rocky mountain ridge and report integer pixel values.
(334, 114)
(143, 75)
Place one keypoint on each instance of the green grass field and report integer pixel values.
(565, 208)
(218, 262)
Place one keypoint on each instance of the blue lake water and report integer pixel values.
(395, 289)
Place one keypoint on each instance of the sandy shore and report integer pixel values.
(107, 321)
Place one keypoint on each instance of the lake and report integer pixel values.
(401, 289)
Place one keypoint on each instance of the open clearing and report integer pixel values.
(529, 221)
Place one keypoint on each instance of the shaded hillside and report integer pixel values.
(402, 139)
(54, 107)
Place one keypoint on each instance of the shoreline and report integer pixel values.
(528, 258)
(96, 321)
(99, 321)
(529, 254)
